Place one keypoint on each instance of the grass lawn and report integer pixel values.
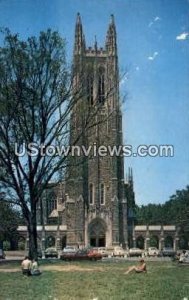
(101, 280)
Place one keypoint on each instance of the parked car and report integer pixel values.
(93, 254)
(51, 253)
(119, 251)
(167, 251)
(109, 251)
(103, 251)
(153, 251)
(2, 254)
(84, 254)
(69, 249)
(135, 252)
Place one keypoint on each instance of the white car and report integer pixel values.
(103, 251)
(112, 251)
(119, 251)
(153, 251)
(135, 252)
(70, 249)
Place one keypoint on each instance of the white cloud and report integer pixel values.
(154, 20)
(153, 56)
(157, 19)
(183, 36)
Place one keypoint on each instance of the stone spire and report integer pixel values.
(79, 45)
(130, 178)
(111, 44)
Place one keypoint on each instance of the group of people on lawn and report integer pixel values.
(30, 267)
(183, 257)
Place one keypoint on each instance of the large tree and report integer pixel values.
(37, 97)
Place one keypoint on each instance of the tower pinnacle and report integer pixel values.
(78, 21)
(111, 44)
(112, 19)
(79, 36)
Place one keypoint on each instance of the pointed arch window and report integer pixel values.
(102, 194)
(90, 81)
(101, 85)
(51, 205)
(91, 193)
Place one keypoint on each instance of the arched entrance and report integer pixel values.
(140, 242)
(169, 241)
(154, 241)
(63, 241)
(50, 241)
(21, 243)
(97, 233)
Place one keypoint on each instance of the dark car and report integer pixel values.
(2, 254)
(168, 252)
(84, 254)
(51, 253)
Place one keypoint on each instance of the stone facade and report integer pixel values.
(96, 208)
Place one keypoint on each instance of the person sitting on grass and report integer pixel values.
(183, 257)
(26, 266)
(35, 268)
(138, 269)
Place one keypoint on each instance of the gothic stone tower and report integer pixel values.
(95, 208)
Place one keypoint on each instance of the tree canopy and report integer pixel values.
(174, 211)
(9, 221)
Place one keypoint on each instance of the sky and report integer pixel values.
(153, 47)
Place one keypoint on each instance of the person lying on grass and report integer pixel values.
(141, 268)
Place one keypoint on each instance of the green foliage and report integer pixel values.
(34, 108)
(149, 214)
(175, 211)
(9, 220)
(6, 245)
(33, 87)
(154, 242)
(21, 244)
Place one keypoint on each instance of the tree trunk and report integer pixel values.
(32, 230)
